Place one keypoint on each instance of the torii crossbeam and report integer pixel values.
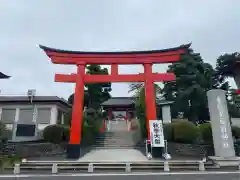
(81, 59)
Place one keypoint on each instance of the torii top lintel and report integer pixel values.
(128, 57)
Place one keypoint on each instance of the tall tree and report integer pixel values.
(98, 92)
(193, 79)
(225, 64)
(86, 98)
(225, 68)
(139, 93)
(95, 93)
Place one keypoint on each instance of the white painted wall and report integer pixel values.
(39, 127)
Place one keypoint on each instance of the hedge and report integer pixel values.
(59, 133)
(168, 132)
(56, 133)
(185, 132)
(236, 132)
(2, 129)
(206, 133)
(181, 131)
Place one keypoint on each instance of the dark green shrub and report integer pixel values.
(66, 134)
(143, 127)
(168, 132)
(55, 133)
(85, 128)
(87, 134)
(185, 132)
(2, 129)
(236, 132)
(206, 133)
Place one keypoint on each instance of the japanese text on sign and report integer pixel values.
(156, 129)
(223, 128)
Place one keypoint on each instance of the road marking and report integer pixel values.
(122, 174)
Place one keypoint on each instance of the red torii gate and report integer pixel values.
(81, 59)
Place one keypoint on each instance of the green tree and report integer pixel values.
(225, 68)
(225, 64)
(86, 98)
(139, 93)
(193, 79)
(98, 92)
(95, 93)
(141, 110)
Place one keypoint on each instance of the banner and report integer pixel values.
(157, 136)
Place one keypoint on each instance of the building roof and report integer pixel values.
(21, 99)
(117, 101)
(126, 101)
(164, 102)
(4, 76)
(45, 48)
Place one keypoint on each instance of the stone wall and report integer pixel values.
(190, 149)
(26, 150)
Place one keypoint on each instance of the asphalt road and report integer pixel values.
(152, 176)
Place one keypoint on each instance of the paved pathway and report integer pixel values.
(114, 155)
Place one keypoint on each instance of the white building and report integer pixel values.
(26, 120)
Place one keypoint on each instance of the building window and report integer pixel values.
(8, 115)
(26, 116)
(59, 117)
(43, 115)
(27, 130)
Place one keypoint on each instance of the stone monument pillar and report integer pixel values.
(221, 128)
(166, 114)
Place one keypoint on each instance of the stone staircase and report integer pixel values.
(118, 137)
(116, 140)
(118, 126)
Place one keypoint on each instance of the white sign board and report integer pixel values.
(156, 130)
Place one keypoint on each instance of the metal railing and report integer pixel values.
(90, 167)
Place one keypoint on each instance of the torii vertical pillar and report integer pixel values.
(149, 96)
(73, 149)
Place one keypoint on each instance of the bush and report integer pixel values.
(66, 134)
(56, 133)
(236, 132)
(88, 134)
(2, 129)
(185, 132)
(168, 132)
(206, 133)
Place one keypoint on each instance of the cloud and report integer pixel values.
(106, 25)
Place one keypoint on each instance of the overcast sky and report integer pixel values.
(213, 27)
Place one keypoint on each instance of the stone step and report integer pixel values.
(127, 137)
(123, 144)
(117, 136)
(114, 140)
(114, 147)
